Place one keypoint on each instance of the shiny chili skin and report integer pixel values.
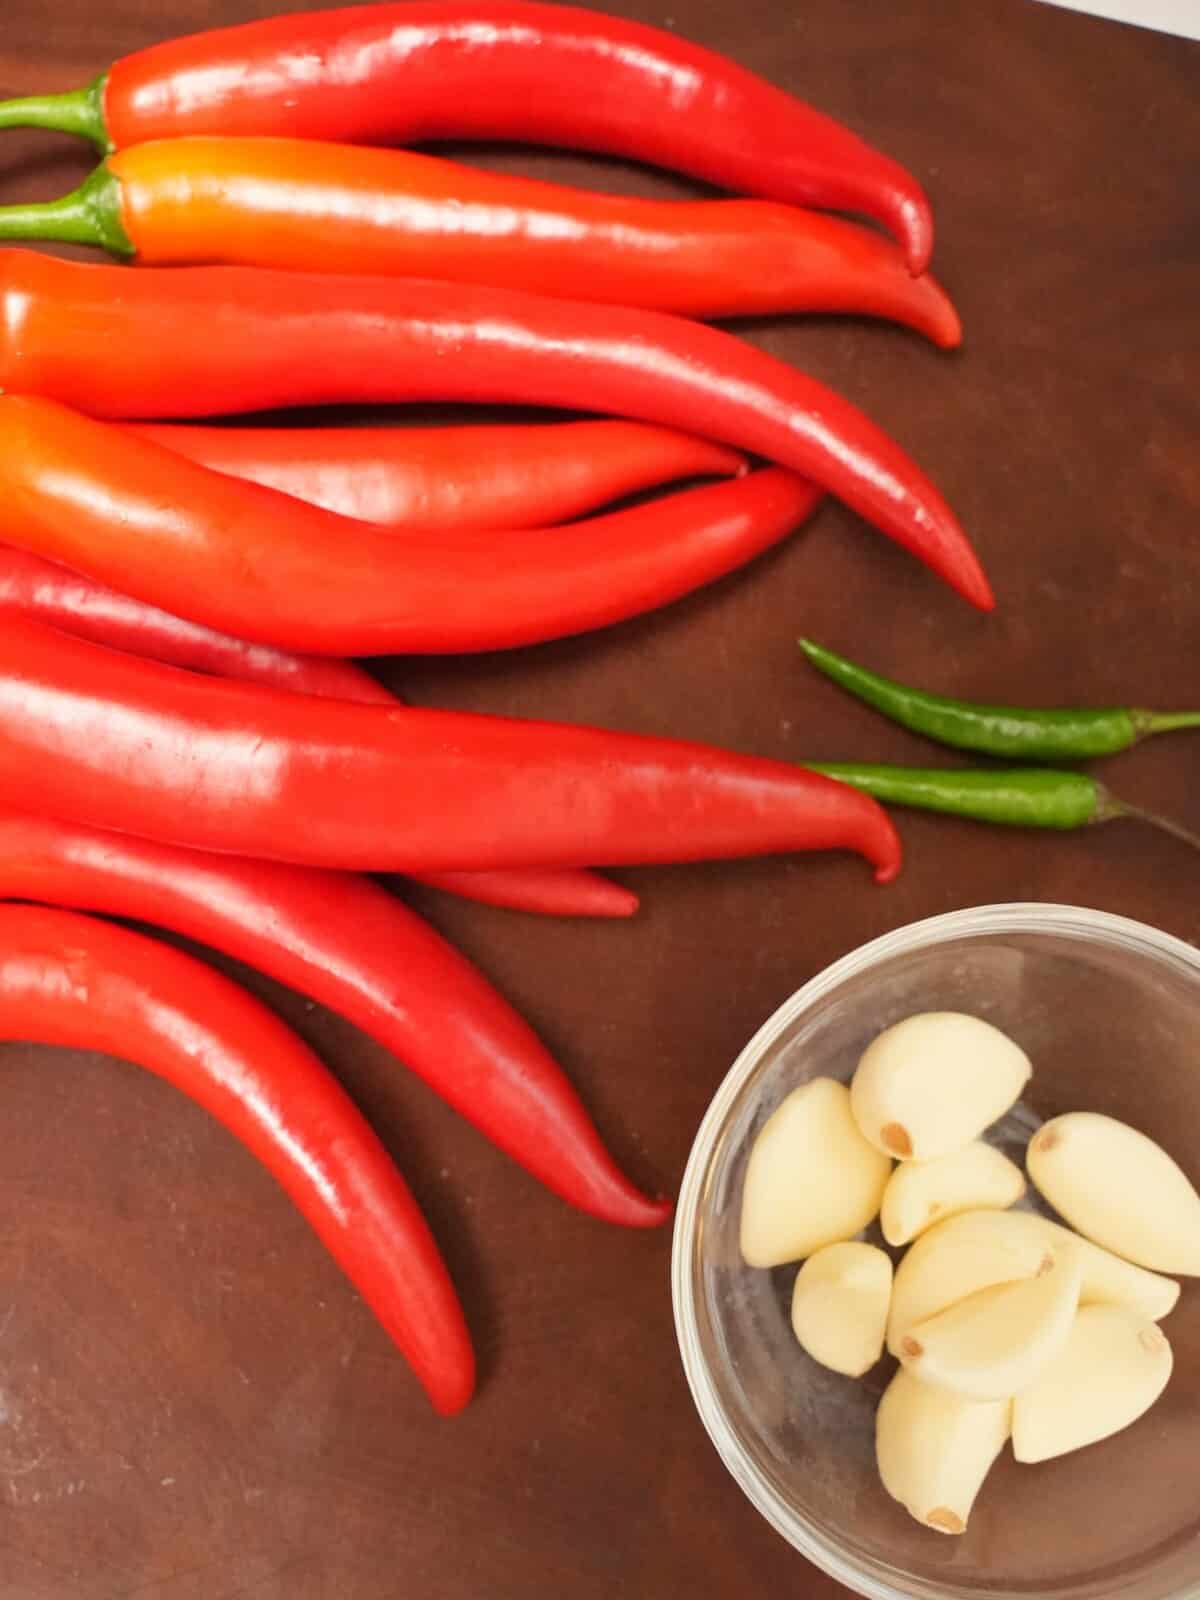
(141, 748)
(1019, 733)
(512, 70)
(53, 594)
(263, 566)
(340, 208)
(75, 981)
(447, 480)
(194, 341)
(347, 943)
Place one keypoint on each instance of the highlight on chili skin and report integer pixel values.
(514, 70)
(299, 205)
(188, 342)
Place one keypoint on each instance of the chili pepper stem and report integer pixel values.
(1148, 722)
(79, 111)
(90, 214)
(1110, 809)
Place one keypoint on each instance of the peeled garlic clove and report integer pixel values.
(995, 1343)
(1111, 1370)
(1119, 1189)
(1105, 1278)
(959, 1257)
(812, 1179)
(920, 1193)
(934, 1082)
(840, 1306)
(934, 1449)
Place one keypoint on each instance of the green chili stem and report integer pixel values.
(79, 111)
(91, 214)
(1149, 722)
(1117, 809)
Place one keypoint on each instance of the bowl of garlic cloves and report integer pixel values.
(936, 1267)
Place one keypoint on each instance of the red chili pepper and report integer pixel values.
(353, 947)
(261, 565)
(75, 981)
(337, 208)
(204, 341)
(511, 70)
(129, 745)
(440, 480)
(49, 593)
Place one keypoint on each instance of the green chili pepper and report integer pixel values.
(1011, 731)
(1019, 797)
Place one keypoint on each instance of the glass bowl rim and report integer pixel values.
(1022, 916)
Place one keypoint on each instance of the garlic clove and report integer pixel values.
(959, 1257)
(840, 1306)
(920, 1193)
(934, 1449)
(812, 1179)
(1107, 1280)
(1111, 1370)
(993, 1344)
(1119, 1189)
(932, 1083)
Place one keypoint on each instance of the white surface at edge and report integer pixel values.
(1168, 16)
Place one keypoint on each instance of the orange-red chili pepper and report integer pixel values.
(446, 480)
(353, 947)
(340, 208)
(263, 566)
(76, 981)
(202, 341)
(101, 737)
(514, 70)
(53, 594)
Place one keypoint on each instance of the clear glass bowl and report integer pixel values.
(1109, 1011)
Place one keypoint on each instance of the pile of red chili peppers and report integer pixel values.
(181, 740)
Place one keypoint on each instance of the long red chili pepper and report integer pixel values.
(75, 981)
(353, 947)
(53, 594)
(261, 565)
(494, 69)
(197, 341)
(443, 480)
(103, 738)
(337, 208)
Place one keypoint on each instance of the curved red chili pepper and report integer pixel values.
(129, 745)
(353, 947)
(196, 341)
(443, 480)
(261, 565)
(53, 594)
(75, 981)
(512, 70)
(335, 208)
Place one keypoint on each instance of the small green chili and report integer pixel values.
(1010, 731)
(1020, 797)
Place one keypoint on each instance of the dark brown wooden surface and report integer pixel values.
(193, 1405)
